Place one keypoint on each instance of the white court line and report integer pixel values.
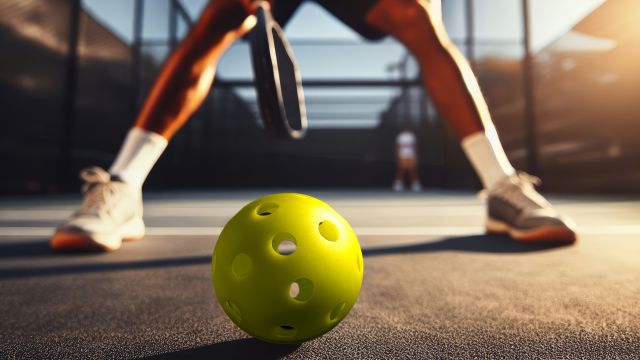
(229, 211)
(610, 230)
(426, 231)
(27, 231)
(34, 214)
(43, 231)
(43, 215)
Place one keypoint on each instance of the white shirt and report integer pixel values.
(406, 140)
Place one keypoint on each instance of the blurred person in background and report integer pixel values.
(407, 160)
(112, 208)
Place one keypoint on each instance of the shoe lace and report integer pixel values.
(98, 190)
(524, 185)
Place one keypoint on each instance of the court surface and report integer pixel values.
(434, 286)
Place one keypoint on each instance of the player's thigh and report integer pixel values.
(407, 163)
(407, 19)
(353, 14)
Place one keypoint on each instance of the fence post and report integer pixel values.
(69, 100)
(470, 38)
(136, 58)
(529, 95)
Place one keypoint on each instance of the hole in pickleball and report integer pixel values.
(286, 247)
(284, 244)
(337, 311)
(234, 309)
(267, 209)
(285, 331)
(295, 290)
(328, 230)
(359, 262)
(303, 289)
(241, 265)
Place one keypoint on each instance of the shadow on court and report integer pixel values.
(235, 349)
(476, 243)
(30, 249)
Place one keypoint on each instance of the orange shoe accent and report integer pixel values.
(132, 238)
(545, 234)
(64, 241)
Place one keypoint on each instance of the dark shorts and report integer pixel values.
(350, 12)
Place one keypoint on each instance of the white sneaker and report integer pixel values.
(515, 208)
(398, 185)
(416, 186)
(110, 213)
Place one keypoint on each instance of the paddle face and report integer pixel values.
(277, 79)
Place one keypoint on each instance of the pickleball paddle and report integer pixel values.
(277, 79)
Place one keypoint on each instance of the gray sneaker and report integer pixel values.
(515, 208)
(110, 213)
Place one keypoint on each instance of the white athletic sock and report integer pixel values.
(487, 156)
(139, 152)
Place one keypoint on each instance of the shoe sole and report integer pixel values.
(541, 234)
(130, 231)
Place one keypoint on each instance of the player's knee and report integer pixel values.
(224, 15)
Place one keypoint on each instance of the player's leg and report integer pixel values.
(514, 206)
(112, 209)
(188, 74)
(413, 175)
(451, 83)
(398, 183)
(400, 171)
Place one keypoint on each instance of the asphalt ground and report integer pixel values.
(434, 286)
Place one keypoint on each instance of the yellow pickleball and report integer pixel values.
(287, 294)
